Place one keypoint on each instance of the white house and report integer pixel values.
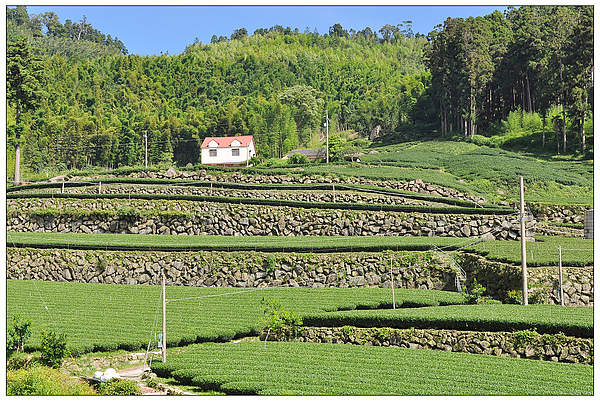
(228, 151)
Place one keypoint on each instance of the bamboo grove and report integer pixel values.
(97, 101)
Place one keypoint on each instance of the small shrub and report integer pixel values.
(298, 158)
(525, 337)
(53, 348)
(514, 297)
(476, 295)
(128, 213)
(18, 332)
(119, 387)
(283, 323)
(270, 264)
(152, 382)
(538, 296)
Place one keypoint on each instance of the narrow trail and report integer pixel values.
(136, 373)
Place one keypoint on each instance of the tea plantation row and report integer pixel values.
(332, 369)
(543, 252)
(104, 317)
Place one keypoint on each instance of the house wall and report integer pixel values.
(224, 155)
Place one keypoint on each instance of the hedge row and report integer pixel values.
(546, 319)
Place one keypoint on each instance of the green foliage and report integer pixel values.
(53, 348)
(298, 368)
(119, 387)
(280, 321)
(514, 297)
(129, 213)
(298, 158)
(244, 243)
(525, 337)
(475, 296)
(41, 380)
(270, 263)
(18, 331)
(542, 252)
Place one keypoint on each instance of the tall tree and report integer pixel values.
(580, 70)
(24, 72)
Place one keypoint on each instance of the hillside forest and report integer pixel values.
(88, 102)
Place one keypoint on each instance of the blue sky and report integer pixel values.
(152, 29)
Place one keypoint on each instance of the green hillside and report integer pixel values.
(96, 102)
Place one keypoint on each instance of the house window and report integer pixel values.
(212, 152)
(235, 152)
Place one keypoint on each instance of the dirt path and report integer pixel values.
(136, 373)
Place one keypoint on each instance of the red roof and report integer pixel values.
(225, 142)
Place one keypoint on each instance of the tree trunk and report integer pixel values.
(18, 164)
(18, 145)
(529, 107)
(564, 130)
(544, 131)
(583, 134)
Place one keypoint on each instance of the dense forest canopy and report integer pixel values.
(466, 76)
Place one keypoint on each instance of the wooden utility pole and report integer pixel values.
(146, 143)
(523, 246)
(327, 132)
(164, 330)
(560, 281)
(392, 274)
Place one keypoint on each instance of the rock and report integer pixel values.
(171, 173)
(58, 178)
(67, 274)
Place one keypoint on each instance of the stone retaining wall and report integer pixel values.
(205, 218)
(557, 348)
(543, 282)
(417, 186)
(573, 214)
(314, 196)
(422, 270)
(231, 269)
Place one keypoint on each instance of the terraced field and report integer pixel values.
(333, 369)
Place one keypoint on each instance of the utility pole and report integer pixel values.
(146, 142)
(523, 246)
(164, 330)
(560, 278)
(327, 130)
